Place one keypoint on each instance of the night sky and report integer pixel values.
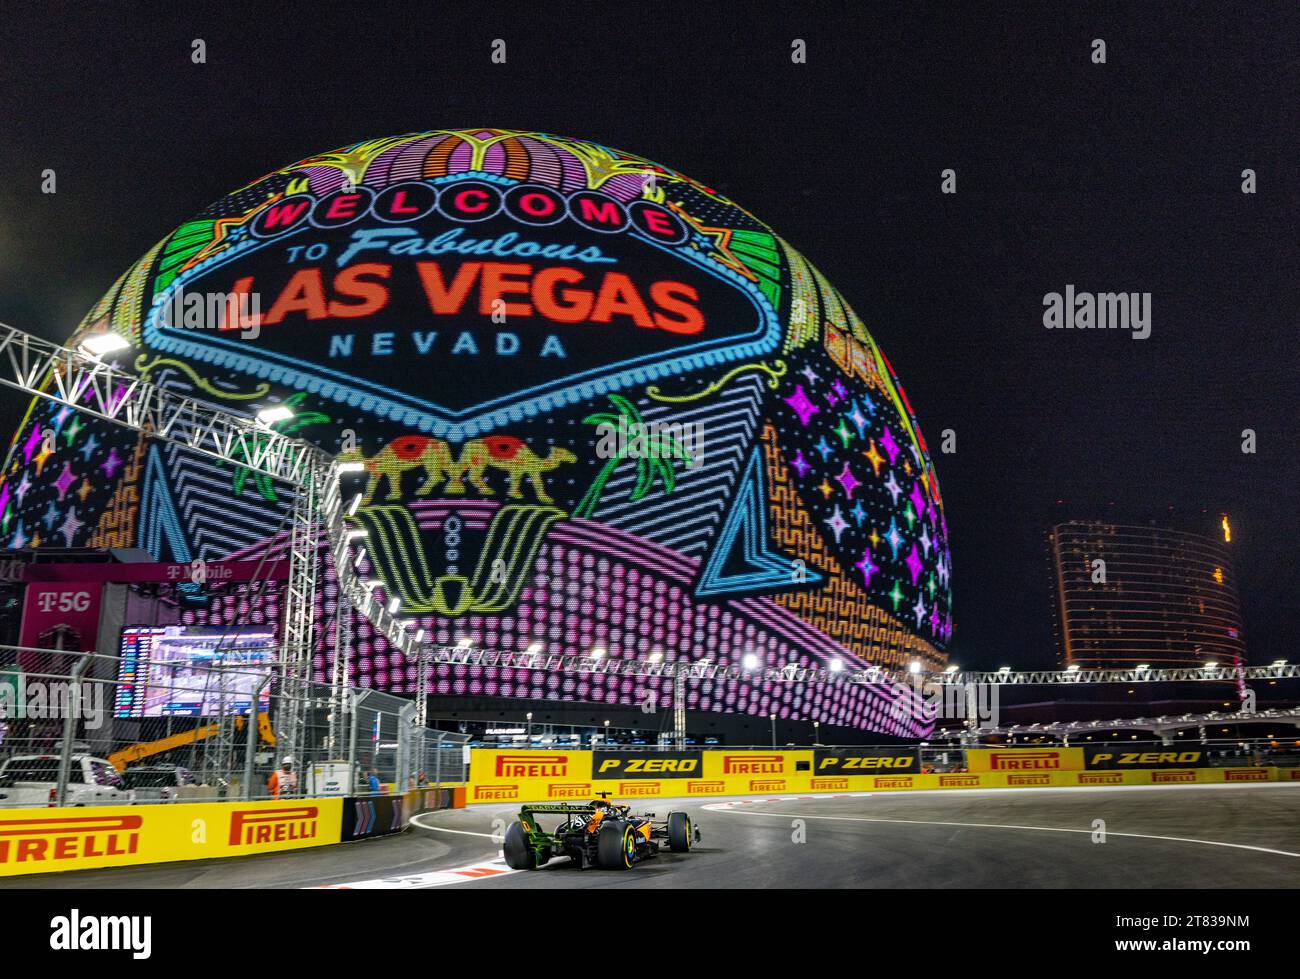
(1117, 177)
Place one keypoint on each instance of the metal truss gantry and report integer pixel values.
(86, 383)
(467, 655)
(1156, 725)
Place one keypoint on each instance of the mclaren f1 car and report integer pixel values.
(599, 833)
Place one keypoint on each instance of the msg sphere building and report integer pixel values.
(599, 406)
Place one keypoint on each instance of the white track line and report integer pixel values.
(486, 869)
(436, 878)
(1038, 829)
(416, 820)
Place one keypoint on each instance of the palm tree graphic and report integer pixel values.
(651, 466)
(287, 426)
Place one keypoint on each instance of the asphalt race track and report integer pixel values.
(1168, 836)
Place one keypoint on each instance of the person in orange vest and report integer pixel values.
(285, 781)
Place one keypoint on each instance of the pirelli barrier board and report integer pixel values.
(1102, 757)
(34, 841)
(38, 841)
(534, 776)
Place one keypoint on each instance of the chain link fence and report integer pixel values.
(180, 718)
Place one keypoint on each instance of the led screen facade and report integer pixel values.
(598, 405)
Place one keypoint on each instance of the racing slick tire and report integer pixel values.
(518, 854)
(679, 832)
(616, 845)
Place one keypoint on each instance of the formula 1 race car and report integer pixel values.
(598, 833)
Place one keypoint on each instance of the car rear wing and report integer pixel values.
(560, 807)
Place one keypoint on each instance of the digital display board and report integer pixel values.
(597, 406)
(193, 671)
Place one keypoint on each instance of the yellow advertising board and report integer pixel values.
(34, 841)
(557, 776)
(1029, 760)
(532, 775)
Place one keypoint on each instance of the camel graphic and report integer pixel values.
(434, 457)
(400, 456)
(513, 456)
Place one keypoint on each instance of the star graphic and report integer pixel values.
(919, 610)
(868, 404)
(84, 490)
(891, 447)
(19, 539)
(858, 514)
(811, 374)
(70, 526)
(114, 399)
(29, 447)
(910, 514)
(23, 488)
(893, 487)
(858, 418)
(225, 231)
(914, 565)
(837, 523)
(65, 480)
(823, 447)
(112, 463)
(802, 407)
(867, 567)
(840, 390)
(842, 430)
(926, 542)
(89, 446)
(943, 569)
(896, 595)
(70, 435)
(60, 417)
(894, 537)
(929, 585)
(42, 457)
(799, 464)
(51, 515)
(826, 489)
(917, 498)
(874, 538)
(934, 619)
(720, 240)
(876, 458)
(848, 480)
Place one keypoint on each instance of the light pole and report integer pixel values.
(606, 739)
(529, 715)
(817, 732)
(772, 718)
